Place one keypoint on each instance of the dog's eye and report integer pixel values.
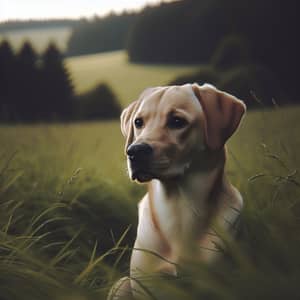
(138, 122)
(176, 122)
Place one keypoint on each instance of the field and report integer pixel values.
(64, 192)
(127, 80)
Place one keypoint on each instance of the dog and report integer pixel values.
(175, 142)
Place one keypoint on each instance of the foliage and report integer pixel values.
(57, 89)
(100, 34)
(206, 74)
(6, 79)
(27, 95)
(99, 103)
(191, 31)
(177, 32)
(36, 24)
(254, 84)
(34, 88)
(232, 51)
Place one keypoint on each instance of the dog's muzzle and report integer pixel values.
(140, 156)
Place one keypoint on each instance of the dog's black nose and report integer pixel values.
(138, 152)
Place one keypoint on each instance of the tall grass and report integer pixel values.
(68, 213)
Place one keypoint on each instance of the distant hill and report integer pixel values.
(33, 24)
(101, 34)
(87, 36)
(38, 37)
(38, 32)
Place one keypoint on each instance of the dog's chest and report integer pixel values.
(181, 219)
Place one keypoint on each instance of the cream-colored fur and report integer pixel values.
(188, 192)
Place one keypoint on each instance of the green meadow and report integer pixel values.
(68, 210)
(126, 79)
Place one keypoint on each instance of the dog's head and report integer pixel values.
(168, 126)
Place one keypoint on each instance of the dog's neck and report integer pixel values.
(201, 180)
(185, 206)
(196, 193)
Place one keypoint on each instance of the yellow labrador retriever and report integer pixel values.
(175, 137)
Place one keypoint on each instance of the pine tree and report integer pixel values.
(57, 87)
(7, 71)
(27, 80)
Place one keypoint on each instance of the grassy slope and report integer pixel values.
(84, 145)
(127, 80)
(82, 168)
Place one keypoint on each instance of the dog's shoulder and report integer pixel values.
(232, 204)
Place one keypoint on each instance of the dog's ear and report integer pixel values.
(127, 122)
(222, 114)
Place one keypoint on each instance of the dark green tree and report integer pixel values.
(99, 103)
(178, 32)
(7, 72)
(27, 92)
(100, 34)
(190, 31)
(57, 90)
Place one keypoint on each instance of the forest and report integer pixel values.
(242, 37)
(38, 88)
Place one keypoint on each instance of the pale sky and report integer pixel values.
(41, 9)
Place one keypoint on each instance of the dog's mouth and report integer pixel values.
(141, 176)
(146, 170)
(160, 171)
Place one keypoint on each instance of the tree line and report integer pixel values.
(226, 34)
(193, 31)
(36, 24)
(38, 88)
(100, 34)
